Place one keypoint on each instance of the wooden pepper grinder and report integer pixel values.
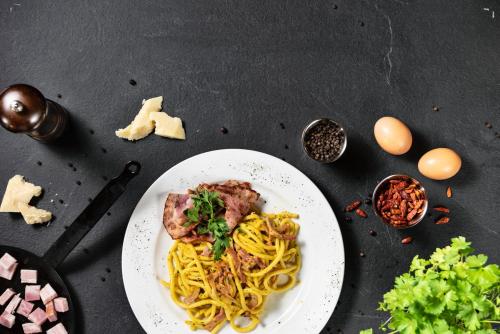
(24, 109)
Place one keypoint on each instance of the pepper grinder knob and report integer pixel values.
(24, 109)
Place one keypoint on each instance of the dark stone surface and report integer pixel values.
(249, 66)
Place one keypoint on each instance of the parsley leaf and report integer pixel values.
(206, 205)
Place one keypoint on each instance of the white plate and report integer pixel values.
(304, 309)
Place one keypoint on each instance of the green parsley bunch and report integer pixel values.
(453, 292)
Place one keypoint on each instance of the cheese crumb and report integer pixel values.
(166, 126)
(17, 196)
(18, 191)
(34, 215)
(142, 125)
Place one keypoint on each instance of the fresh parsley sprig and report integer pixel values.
(452, 292)
(206, 205)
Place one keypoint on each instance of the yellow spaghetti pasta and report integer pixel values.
(264, 258)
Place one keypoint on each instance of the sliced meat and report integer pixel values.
(50, 311)
(174, 217)
(58, 329)
(29, 276)
(7, 320)
(6, 295)
(47, 293)
(239, 199)
(11, 307)
(25, 308)
(8, 273)
(194, 238)
(216, 320)
(29, 328)
(7, 261)
(32, 293)
(38, 316)
(61, 304)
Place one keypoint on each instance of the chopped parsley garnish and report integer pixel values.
(206, 205)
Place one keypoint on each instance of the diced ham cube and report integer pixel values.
(29, 328)
(6, 295)
(7, 320)
(57, 329)
(25, 308)
(38, 316)
(8, 273)
(61, 304)
(29, 276)
(32, 293)
(50, 311)
(7, 261)
(11, 307)
(47, 293)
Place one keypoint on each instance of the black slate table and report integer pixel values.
(263, 70)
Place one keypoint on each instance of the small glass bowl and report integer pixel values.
(311, 126)
(382, 186)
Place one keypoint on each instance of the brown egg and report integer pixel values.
(393, 135)
(440, 164)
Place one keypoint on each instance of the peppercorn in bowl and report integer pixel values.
(324, 140)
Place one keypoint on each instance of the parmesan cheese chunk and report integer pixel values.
(142, 125)
(33, 215)
(18, 191)
(166, 126)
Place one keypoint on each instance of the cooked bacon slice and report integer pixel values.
(237, 264)
(239, 199)
(196, 238)
(190, 299)
(216, 320)
(174, 217)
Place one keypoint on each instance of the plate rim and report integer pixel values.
(341, 255)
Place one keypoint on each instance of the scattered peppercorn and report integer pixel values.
(372, 233)
(132, 82)
(59, 96)
(79, 183)
(39, 163)
(488, 125)
(324, 141)
(435, 108)
(282, 125)
(223, 130)
(361, 254)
